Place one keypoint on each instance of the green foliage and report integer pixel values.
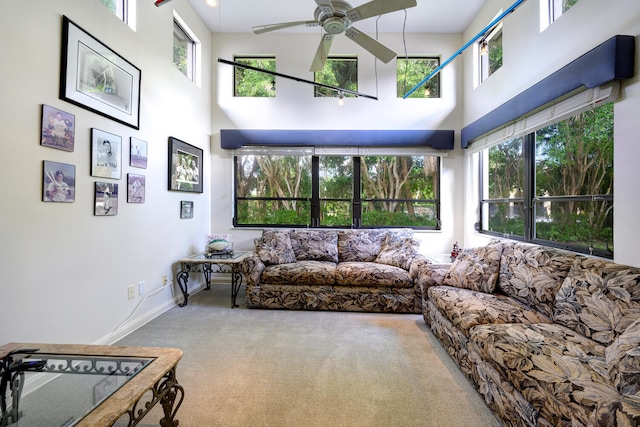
(337, 72)
(411, 71)
(109, 4)
(252, 83)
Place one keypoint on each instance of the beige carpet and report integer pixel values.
(246, 367)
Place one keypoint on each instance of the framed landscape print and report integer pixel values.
(138, 153)
(186, 209)
(106, 199)
(135, 188)
(59, 182)
(95, 77)
(58, 128)
(185, 166)
(106, 154)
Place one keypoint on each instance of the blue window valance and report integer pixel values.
(437, 139)
(612, 60)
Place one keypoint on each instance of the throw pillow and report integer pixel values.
(312, 245)
(397, 251)
(476, 269)
(274, 247)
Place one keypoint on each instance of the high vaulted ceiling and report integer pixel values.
(429, 16)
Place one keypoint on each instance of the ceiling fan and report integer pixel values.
(335, 17)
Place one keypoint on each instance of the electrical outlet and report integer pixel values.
(141, 288)
(164, 280)
(131, 292)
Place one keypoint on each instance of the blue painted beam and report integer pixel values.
(437, 139)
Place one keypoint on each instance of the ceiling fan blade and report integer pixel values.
(325, 6)
(260, 29)
(374, 47)
(378, 7)
(322, 53)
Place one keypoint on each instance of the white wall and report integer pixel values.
(530, 56)
(294, 107)
(65, 272)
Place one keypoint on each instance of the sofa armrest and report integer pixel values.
(426, 274)
(252, 268)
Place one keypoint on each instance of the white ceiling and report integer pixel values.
(429, 16)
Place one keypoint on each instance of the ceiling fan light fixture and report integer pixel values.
(340, 98)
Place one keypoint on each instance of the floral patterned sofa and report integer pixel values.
(548, 337)
(342, 270)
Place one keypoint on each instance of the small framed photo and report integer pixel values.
(135, 188)
(138, 153)
(106, 154)
(106, 199)
(58, 128)
(185, 166)
(186, 209)
(59, 182)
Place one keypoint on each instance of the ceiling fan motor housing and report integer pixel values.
(336, 21)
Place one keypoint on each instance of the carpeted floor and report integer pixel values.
(255, 368)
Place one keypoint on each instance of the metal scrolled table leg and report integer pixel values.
(182, 278)
(236, 282)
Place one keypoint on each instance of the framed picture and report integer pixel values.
(138, 153)
(58, 128)
(106, 154)
(106, 199)
(58, 182)
(185, 166)
(186, 209)
(95, 77)
(135, 188)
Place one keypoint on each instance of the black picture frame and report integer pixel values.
(95, 77)
(186, 209)
(185, 166)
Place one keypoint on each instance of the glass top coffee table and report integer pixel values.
(87, 385)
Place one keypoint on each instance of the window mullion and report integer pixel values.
(529, 185)
(357, 195)
(315, 191)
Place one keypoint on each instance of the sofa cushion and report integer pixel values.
(599, 299)
(359, 245)
(314, 245)
(562, 373)
(533, 274)
(274, 247)
(476, 269)
(397, 251)
(372, 274)
(300, 273)
(466, 308)
(623, 361)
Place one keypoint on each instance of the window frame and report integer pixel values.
(418, 94)
(357, 199)
(240, 58)
(484, 53)
(322, 92)
(530, 199)
(192, 51)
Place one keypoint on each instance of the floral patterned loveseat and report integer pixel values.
(548, 337)
(342, 270)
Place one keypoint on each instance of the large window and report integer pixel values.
(337, 191)
(252, 83)
(184, 49)
(339, 72)
(555, 185)
(411, 71)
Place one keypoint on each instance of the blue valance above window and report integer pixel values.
(612, 60)
(437, 139)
